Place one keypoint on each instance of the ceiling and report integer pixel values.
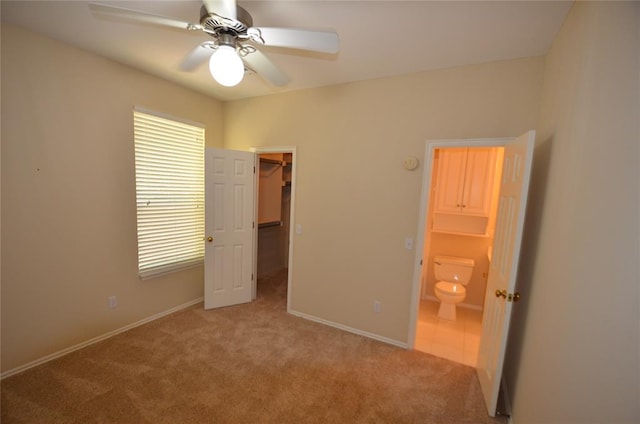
(377, 38)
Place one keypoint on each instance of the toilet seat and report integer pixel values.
(451, 289)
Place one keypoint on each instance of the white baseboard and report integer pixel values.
(460, 305)
(350, 329)
(97, 339)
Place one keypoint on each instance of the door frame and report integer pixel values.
(431, 146)
(294, 164)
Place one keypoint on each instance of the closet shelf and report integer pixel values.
(273, 161)
(460, 233)
(270, 224)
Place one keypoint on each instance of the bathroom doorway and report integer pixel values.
(505, 253)
(275, 200)
(460, 223)
(445, 234)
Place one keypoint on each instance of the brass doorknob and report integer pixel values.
(511, 297)
(209, 239)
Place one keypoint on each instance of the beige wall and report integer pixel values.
(574, 348)
(354, 200)
(68, 195)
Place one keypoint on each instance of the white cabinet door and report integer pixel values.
(478, 182)
(450, 180)
(465, 181)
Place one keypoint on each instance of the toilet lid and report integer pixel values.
(451, 288)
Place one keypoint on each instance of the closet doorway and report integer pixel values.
(275, 200)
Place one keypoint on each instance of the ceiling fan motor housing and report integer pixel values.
(222, 25)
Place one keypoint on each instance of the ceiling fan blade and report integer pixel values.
(224, 8)
(318, 41)
(197, 57)
(266, 68)
(141, 16)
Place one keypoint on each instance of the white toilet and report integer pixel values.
(452, 275)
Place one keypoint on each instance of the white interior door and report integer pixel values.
(503, 271)
(229, 227)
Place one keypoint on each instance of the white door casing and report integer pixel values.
(501, 282)
(229, 227)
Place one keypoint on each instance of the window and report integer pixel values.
(169, 159)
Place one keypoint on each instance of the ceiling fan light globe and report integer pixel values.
(226, 67)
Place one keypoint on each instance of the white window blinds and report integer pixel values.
(169, 158)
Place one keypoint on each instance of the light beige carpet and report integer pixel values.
(251, 363)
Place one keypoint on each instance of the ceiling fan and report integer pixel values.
(234, 40)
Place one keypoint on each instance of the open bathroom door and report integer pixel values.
(229, 227)
(501, 283)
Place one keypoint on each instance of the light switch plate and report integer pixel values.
(408, 243)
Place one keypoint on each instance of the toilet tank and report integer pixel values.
(453, 269)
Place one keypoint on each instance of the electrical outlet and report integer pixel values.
(113, 302)
(377, 306)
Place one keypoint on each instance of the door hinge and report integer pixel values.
(254, 169)
(420, 262)
(251, 276)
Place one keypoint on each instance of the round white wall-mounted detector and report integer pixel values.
(410, 163)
